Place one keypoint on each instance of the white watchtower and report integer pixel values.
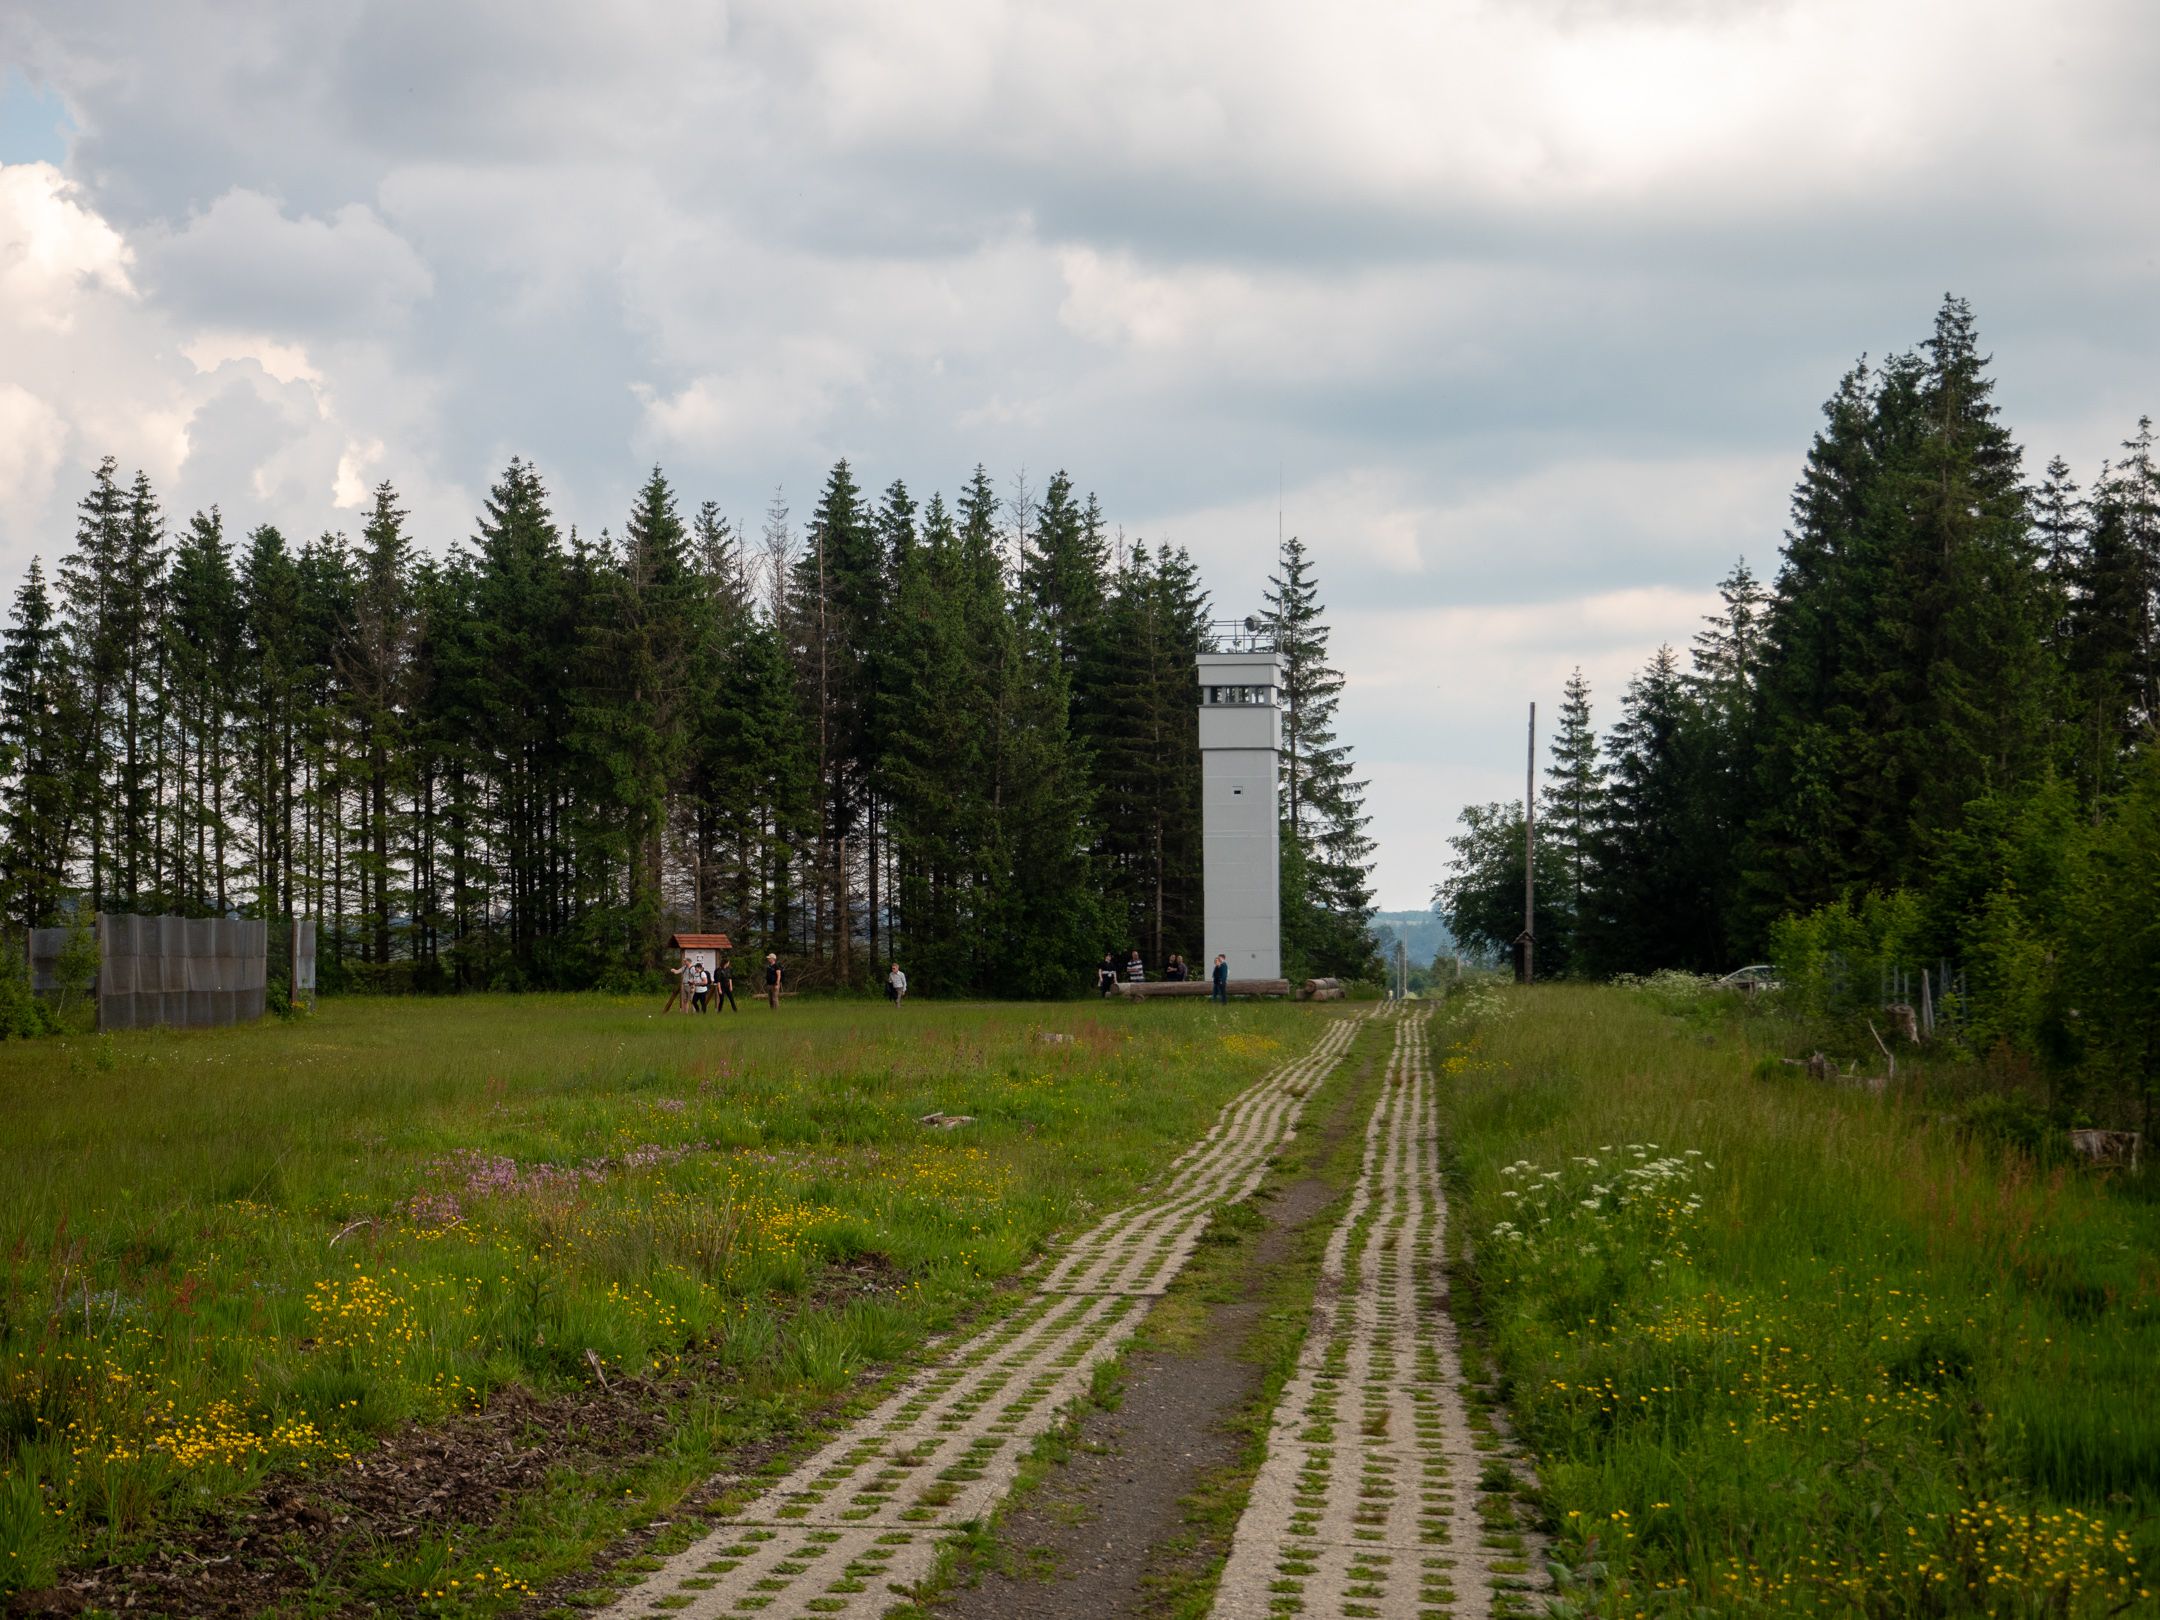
(1240, 765)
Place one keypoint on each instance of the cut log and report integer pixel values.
(1200, 987)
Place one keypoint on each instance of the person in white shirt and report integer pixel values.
(896, 985)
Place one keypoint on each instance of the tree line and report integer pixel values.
(960, 734)
(1930, 738)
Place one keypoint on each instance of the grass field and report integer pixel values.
(1783, 1348)
(244, 1252)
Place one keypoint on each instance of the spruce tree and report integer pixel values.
(1570, 814)
(376, 665)
(1146, 757)
(267, 699)
(2113, 633)
(524, 633)
(1970, 598)
(1327, 903)
(835, 605)
(97, 631)
(634, 699)
(1650, 904)
(201, 631)
(39, 715)
(1800, 843)
(936, 761)
(1725, 683)
(137, 602)
(325, 872)
(1063, 575)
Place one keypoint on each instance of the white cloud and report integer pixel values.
(33, 439)
(349, 491)
(789, 392)
(54, 252)
(286, 362)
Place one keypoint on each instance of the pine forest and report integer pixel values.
(1927, 747)
(962, 736)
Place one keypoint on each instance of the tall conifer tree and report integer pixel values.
(1327, 901)
(1570, 814)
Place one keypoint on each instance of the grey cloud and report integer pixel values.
(246, 263)
(747, 240)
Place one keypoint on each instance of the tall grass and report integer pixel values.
(224, 1253)
(1836, 1356)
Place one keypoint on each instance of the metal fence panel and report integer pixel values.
(303, 962)
(184, 972)
(46, 947)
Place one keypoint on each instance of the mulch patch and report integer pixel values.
(293, 1533)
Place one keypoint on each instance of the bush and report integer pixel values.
(2011, 1121)
(21, 1013)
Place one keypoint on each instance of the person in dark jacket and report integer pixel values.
(1106, 972)
(1220, 978)
(724, 984)
(772, 981)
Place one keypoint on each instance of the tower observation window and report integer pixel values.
(1213, 695)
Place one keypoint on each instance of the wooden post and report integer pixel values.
(1529, 870)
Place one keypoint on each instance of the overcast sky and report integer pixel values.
(1527, 309)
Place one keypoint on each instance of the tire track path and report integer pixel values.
(1367, 1503)
(853, 1529)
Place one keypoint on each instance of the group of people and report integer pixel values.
(1109, 972)
(701, 984)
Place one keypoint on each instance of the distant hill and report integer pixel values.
(1423, 932)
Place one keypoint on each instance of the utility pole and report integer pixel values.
(1529, 869)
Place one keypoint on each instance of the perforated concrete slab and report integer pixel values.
(858, 1523)
(789, 1570)
(1366, 1504)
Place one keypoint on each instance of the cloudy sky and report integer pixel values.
(1526, 309)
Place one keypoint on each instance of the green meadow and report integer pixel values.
(253, 1252)
(1788, 1348)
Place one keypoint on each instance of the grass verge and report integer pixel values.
(1784, 1349)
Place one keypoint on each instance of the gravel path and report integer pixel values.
(857, 1525)
(1368, 1502)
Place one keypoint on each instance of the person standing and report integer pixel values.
(1135, 969)
(772, 981)
(1220, 979)
(700, 985)
(724, 983)
(896, 985)
(1106, 972)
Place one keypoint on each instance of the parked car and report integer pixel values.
(1760, 976)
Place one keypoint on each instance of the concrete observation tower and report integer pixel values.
(1240, 767)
